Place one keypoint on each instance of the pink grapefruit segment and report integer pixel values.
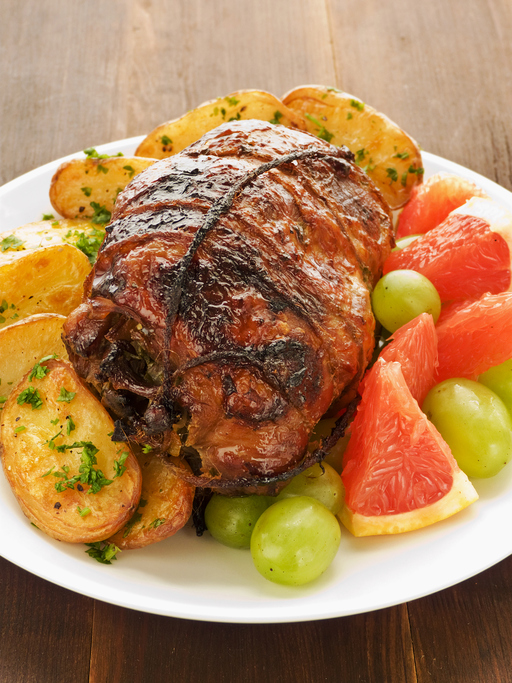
(399, 474)
(431, 202)
(475, 337)
(414, 346)
(465, 256)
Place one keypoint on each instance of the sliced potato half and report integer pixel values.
(164, 508)
(87, 188)
(57, 451)
(173, 136)
(389, 156)
(24, 343)
(80, 232)
(45, 280)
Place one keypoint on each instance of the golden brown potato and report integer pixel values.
(173, 136)
(69, 478)
(24, 343)
(45, 280)
(80, 232)
(164, 508)
(88, 187)
(389, 156)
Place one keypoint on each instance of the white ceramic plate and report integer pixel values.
(197, 578)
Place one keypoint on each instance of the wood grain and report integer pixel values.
(76, 74)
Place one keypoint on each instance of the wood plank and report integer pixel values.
(45, 631)
(436, 72)
(130, 646)
(464, 633)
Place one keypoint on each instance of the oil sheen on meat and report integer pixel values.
(229, 308)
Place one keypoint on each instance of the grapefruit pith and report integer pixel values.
(465, 256)
(414, 346)
(475, 337)
(399, 474)
(431, 202)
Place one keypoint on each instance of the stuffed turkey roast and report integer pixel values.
(229, 308)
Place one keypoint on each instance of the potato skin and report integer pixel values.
(30, 464)
(382, 148)
(80, 183)
(165, 503)
(173, 136)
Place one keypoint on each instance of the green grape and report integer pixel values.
(319, 481)
(405, 241)
(401, 295)
(474, 422)
(499, 380)
(231, 521)
(295, 540)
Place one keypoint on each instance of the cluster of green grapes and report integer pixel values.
(474, 418)
(293, 537)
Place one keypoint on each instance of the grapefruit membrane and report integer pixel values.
(465, 256)
(399, 474)
(431, 202)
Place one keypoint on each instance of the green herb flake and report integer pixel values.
(83, 512)
(156, 523)
(3, 399)
(130, 169)
(49, 472)
(131, 523)
(102, 169)
(31, 397)
(3, 306)
(119, 466)
(70, 425)
(401, 155)
(277, 118)
(223, 112)
(349, 115)
(91, 153)
(360, 155)
(11, 242)
(102, 551)
(66, 396)
(403, 179)
(48, 217)
(232, 101)
(87, 191)
(88, 244)
(323, 133)
(147, 448)
(101, 214)
(357, 105)
(54, 422)
(20, 428)
(39, 371)
(166, 140)
(392, 173)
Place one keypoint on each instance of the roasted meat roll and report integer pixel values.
(229, 308)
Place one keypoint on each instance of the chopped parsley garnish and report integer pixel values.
(70, 425)
(392, 173)
(370, 166)
(146, 448)
(332, 89)
(166, 140)
(418, 171)
(11, 242)
(30, 396)
(401, 155)
(349, 115)
(236, 118)
(119, 466)
(232, 101)
(88, 244)
(3, 399)
(223, 112)
(102, 551)
(323, 133)
(360, 155)
(403, 180)
(48, 217)
(49, 472)
(277, 118)
(20, 428)
(91, 153)
(357, 105)
(101, 214)
(39, 371)
(156, 523)
(3, 306)
(54, 422)
(66, 396)
(83, 512)
(88, 475)
(87, 191)
(130, 169)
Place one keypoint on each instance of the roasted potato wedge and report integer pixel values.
(45, 280)
(173, 136)
(389, 156)
(24, 343)
(87, 188)
(164, 508)
(80, 232)
(69, 478)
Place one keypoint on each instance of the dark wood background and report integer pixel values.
(75, 74)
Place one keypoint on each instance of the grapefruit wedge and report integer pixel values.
(431, 202)
(399, 474)
(414, 345)
(465, 256)
(475, 337)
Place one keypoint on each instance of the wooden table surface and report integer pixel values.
(76, 74)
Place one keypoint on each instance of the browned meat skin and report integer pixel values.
(229, 308)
